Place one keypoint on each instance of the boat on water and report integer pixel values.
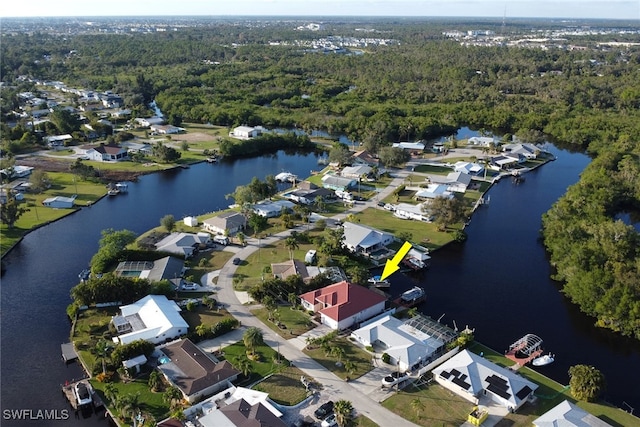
(543, 360)
(122, 187)
(286, 177)
(84, 275)
(414, 263)
(113, 191)
(412, 297)
(378, 283)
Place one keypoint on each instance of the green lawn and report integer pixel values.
(202, 315)
(425, 234)
(436, 170)
(362, 421)
(440, 407)
(284, 387)
(150, 402)
(360, 358)
(297, 322)
(251, 271)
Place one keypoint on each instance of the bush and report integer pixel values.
(386, 358)
(224, 326)
(369, 348)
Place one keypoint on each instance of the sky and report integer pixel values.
(608, 9)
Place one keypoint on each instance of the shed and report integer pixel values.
(59, 202)
(191, 221)
(135, 362)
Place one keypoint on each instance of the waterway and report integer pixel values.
(497, 282)
(43, 268)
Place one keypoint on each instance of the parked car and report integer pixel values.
(394, 378)
(330, 421)
(304, 422)
(236, 261)
(82, 394)
(324, 410)
(381, 204)
(190, 286)
(389, 207)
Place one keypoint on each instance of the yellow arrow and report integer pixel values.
(393, 265)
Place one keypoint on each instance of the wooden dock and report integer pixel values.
(68, 352)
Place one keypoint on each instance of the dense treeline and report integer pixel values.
(422, 87)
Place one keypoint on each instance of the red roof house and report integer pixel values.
(343, 304)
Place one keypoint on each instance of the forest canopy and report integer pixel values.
(418, 87)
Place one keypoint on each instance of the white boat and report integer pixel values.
(414, 295)
(286, 177)
(122, 187)
(375, 281)
(543, 360)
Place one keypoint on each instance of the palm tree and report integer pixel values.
(243, 365)
(128, 405)
(344, 413)
(102, 351)
(241, 238)
(252, 337)
(155, 381)
(417, 406)
(338, 352)
(202, 330)
(349, 366)
(111, 392)
(171, 396)
(291, 243)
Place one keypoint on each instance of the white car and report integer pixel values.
(190, 286)
(394, 378)
(330, 421)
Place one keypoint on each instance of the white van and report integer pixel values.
(221, 240)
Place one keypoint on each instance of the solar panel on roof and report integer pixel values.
(524, 392)
(445, 374)
(455, 372)
(461, 383)
(499, 391)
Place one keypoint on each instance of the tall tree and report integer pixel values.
(11, 211)
(344, 413)
(586, 382)
(291, 243)
(252, 338)
(168, 222)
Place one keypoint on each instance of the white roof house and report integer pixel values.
(483, 141)
(184, 244)
(434, 190)
(408, 342)
(470, 376)
(59, 202)
(409, 211)
(566, 414)
(362, 239)
(456, 181)
(529, 151)
(227, 222)
(337, 182)
(273, 208)
(245, 132)
(356, 171)
(153, 318)
(409, 145)
(468, 168)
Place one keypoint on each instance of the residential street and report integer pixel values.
(334, 388)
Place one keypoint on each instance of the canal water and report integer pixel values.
(497, 282)
(43, 268)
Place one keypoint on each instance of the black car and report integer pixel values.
(324, 410)
(236, 261)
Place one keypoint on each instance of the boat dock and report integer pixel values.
(96, 402)
(525, 349)
(68, 352)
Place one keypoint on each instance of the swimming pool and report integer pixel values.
(164, 359)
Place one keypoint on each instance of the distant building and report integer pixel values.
(59, 202)
(360, 238)
(107, 153)
(184, 244)
(245, 132)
